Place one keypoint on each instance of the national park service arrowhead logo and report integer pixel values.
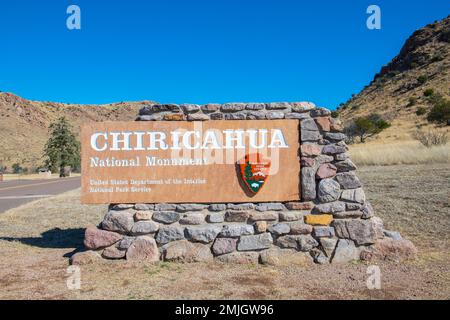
(254, 171)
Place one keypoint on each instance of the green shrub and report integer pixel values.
(437, 58)
(421, 111)
(428, 92)
(334, 114)
(422, 79)
(17, 168)
(445, 35)
(440, 113)
(411, 101)
(392, 74)
(435, 98)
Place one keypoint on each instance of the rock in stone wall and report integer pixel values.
(332, 222)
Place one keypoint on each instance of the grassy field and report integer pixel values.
(36, 240)
(384, 153)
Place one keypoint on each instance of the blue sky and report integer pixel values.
(201, 51)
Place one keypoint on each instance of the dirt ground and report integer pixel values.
(36, 240)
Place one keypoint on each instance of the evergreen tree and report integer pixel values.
(248, 171)
(62, 148)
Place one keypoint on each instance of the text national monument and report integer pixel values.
(238, 182)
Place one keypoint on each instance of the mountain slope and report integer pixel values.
(24, 124)
(397, 91)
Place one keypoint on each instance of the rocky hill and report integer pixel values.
(401, 91)
(24, 124)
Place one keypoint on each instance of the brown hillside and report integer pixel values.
(397, 91)
(24, 124)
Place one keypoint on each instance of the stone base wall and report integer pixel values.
(332, 222)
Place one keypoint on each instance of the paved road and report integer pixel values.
(17, 192)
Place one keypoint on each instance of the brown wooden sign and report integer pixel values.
(190, 162)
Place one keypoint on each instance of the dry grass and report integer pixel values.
(37, 238)
(63, 212)
(413, 199)
(380, 153)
